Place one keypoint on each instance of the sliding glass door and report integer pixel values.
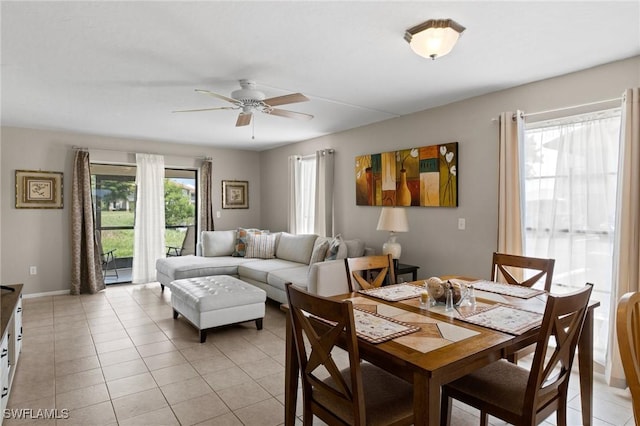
(114, 200)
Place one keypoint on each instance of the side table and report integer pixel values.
(402, 269)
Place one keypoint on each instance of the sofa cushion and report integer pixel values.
(197, 266)
(241, 240)
(259, 269)
(260, 246)
(355, 248)
(218, 243)
(297, 276)
(296, 248)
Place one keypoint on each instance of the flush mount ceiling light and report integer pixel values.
(434, 38)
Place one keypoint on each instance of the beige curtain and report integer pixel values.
(626, 256)
(323, 217)
(292, 200)
(206, 199)
(510, 183)
(86, 267)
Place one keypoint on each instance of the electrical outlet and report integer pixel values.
(462, 224)
(33, 270)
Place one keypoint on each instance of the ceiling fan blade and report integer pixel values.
(243, 119)
(204, 109)
(286, 99)
(289, 114)
(216, 95)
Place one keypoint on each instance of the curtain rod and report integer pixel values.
(323, 151)
(84, 148)
(573, 107)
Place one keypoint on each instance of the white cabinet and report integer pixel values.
(11, 343)
(4, 373)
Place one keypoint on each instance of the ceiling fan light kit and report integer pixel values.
(249, 100)
(248, 93)
(434, 38)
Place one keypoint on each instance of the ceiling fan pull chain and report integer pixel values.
(253, 129)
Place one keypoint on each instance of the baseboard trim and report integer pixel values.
(48, 293)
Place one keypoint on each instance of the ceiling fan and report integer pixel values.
(249, 100)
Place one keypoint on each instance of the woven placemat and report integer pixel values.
(395, 292)
(506, 289)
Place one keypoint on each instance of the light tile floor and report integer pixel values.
(119, 358)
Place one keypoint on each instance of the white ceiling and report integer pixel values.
(120, 68)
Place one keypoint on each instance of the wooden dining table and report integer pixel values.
(428, 369)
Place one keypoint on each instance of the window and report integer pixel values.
(569, 203)
(114, 199)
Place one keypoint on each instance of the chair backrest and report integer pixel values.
(551, 368)
(341, 394)
(359, 271)
(628, 331)
(189, 242)
(506, 265)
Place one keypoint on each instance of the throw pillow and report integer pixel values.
(319, 252)
(260, 246)
(241, 240)
(334, 246)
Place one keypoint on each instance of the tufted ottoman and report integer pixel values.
(217, 300)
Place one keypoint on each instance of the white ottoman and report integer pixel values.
(217, 300)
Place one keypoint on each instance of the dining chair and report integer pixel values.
(520, 396)
(628, 331)
(361, 394)
(370, 271)
(106, 257)
(505, 265)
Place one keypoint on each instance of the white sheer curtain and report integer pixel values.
(626, 259)
(302, 185)
(510, 230)
(149, 225)
(311, 193)
(323, 222)
(571, 178)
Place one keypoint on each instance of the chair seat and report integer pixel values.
(388, 398)
(503, 385)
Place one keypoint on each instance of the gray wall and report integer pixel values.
(41, 237)
(434, 241)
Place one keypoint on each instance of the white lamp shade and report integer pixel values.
(393, 219)
(434, 38)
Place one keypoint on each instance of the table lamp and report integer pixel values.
(393, 219)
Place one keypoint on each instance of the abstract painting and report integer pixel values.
(425, 176)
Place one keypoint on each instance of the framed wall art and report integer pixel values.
(38, 189)
(235, 194)
(426, 176)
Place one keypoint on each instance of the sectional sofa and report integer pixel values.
(268, 261)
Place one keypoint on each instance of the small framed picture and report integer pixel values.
(38, 189)
(235, 194)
